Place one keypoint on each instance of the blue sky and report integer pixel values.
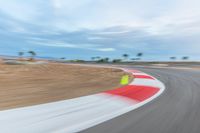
(107, 28)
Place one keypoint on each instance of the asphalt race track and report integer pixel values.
(177, 110)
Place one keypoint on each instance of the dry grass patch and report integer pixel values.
(24, 85)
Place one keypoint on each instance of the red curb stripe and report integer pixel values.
(143, 76)
(134, 92)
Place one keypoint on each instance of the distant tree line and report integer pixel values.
(125, 58)
(31, 53)
(182, 58)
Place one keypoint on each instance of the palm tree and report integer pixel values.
(103, 60)
(116, 60)
(173, 58)
(106, 59)
(139, 55)
(98, 57)
(185, 58)
(125, 56)
(93, 58)
(133, 59)
(62, 58)
(20, 54)
(33, 54)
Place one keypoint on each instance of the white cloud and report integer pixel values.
(53, 44)
(50, 43)
(106, 49)
(73, 15)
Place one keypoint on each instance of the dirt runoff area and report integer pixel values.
(24, 85)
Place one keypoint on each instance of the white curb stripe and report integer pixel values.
(139, 74)
(146, 82)
(63, 115)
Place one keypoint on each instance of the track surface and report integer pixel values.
(177, 110)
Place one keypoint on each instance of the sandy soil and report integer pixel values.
(24, 85)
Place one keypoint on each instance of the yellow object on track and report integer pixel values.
(124, 80)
